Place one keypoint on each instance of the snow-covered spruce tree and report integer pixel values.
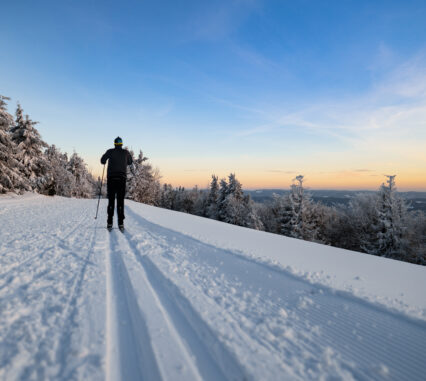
(272, 214)
(143, 182)
(30, 147)
(189, 200)
(83, 185)
(325, 218)
(221, 200)
(62, 181)
(213, 199)
(416, 236)
(180, 199)
(341, 229)
(201, 203)
(363, 219)
(391, 209)
(11, 176)
(298, 219)
(168, 197)
(238, 209)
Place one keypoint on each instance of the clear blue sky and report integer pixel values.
(335, 90)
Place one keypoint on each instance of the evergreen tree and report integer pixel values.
(416, 238)
(61, 180)
(391, 227)
(144, 185)
(221, 201)
(11, 176)
(237, 208)
(201, 203)
(179, 199)
(189, 200)
(363, 219)
(30, 147)
(213, 199)
(83, 185)
(298, 216)
(234, 204)
(168, 197)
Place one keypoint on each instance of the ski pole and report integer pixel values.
(100, 192)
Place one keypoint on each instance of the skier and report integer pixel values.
(118, 160)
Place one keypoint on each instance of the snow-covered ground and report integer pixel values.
(178, 297)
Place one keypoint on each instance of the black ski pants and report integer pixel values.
(116, 187)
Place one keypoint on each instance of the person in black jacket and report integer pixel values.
(118, 160)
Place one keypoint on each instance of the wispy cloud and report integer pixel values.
(214, 21)
(389, 117)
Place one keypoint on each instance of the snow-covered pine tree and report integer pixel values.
(325, 218)
(238, 209)
(416, 236)
(251, 218)
(363, 219)
(269, 214)
(83, 185)
(298, 216)
(168, 197)
(11, 176)
(340, 229)
(287, 217)
(30, 147)
(179, 204)
(392, 215)
(213, 198)
(189, 200)
(201, 206)
(143, 183)
(62, 181)
(221, 201)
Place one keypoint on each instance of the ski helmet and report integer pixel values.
(118, 141)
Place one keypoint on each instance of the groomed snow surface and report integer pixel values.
(178, 297)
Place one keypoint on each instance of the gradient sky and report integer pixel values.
(334, 90)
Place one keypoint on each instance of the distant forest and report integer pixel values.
(380, 223)
(415, 200)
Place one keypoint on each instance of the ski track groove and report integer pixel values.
(129, 352)
(212, 364)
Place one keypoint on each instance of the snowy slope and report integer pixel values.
(177, 297)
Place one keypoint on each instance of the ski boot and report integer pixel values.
(121, 227)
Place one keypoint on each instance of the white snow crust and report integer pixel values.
(179, 297)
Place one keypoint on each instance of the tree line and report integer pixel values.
(28, 163)
(380, 224)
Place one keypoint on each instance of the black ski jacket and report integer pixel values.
(118, 160)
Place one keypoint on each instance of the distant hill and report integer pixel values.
(416, 200)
